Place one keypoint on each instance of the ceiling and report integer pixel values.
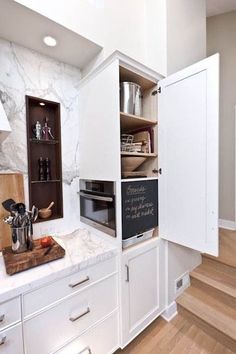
(27, 28)
(217, 7)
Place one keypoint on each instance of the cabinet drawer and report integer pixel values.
(11, 340)
(40, 298)
(70, 317)
(10, 313)
(102, 339)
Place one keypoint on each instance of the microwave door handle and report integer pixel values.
(96, 197)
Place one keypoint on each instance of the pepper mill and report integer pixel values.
(41, 169)
(47, 169)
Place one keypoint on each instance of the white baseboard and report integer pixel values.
(227, 224)
(170, 312)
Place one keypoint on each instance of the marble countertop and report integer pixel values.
(83, 249)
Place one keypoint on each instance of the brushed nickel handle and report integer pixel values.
(3, 340)
(73, 319)
(96, 197)
(127, 272)
(80, 282)
(2, 318)
(87, 349)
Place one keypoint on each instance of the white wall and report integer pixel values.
(114, 24)
(221, 34)
(156, 35)
(165, 35)
(186, 33)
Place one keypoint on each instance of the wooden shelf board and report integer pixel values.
(49, 142)
(125, 153)
(50, 181)
(53, 217)
(128, 75)
(131, 122)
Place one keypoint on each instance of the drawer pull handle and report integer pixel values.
(80, 282)
(86, 350)
(3, 340)
(73, 319)
(2, 318)
(127, 273)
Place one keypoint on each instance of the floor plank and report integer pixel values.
(180, 336)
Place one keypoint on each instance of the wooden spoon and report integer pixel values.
(50, 206)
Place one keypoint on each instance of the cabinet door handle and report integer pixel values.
(127, 272)
(2, 318)
(3, 340)
(86, 350)
(80, 282)
(73, 319)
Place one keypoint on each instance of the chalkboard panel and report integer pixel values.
(139, 207)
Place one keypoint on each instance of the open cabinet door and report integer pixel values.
(188, 156)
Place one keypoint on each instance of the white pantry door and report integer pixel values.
(188, 156)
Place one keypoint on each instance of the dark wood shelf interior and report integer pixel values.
(42, 193)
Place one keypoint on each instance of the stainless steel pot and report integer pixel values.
(130, 98)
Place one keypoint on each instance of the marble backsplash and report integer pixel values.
(26, 72)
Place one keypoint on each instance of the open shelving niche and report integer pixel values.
(41, 193)
(130, 123)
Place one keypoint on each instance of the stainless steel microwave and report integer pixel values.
(97, 205)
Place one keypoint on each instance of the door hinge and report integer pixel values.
(159, 89)
(154, 93)
(157, 171)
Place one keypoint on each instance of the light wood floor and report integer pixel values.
(180, 336)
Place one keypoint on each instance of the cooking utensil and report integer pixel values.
(48, 250)
(46, 212)
(34, 213)
(7, 204)
(8, 219)
(20, 208)
(130, 98)
(130, 163)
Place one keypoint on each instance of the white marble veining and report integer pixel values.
(83, 249)
(26, 72)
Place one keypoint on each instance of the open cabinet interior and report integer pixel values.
(44, 155)
(138, 127)
(139, 157)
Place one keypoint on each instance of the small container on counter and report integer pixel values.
(19, 239)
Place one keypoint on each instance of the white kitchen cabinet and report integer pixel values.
(101, 339)
(60, 312)
(10, 313)
(183, 111)
(99, 120)
(187, 112)
(142, 288)
(11, 341)
(70, 317)
(188, 156)
(43, 297)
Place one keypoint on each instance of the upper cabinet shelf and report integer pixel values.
(126, 153)
(129, 122)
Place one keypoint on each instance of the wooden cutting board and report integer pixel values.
(11, 186)
(16, 263)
